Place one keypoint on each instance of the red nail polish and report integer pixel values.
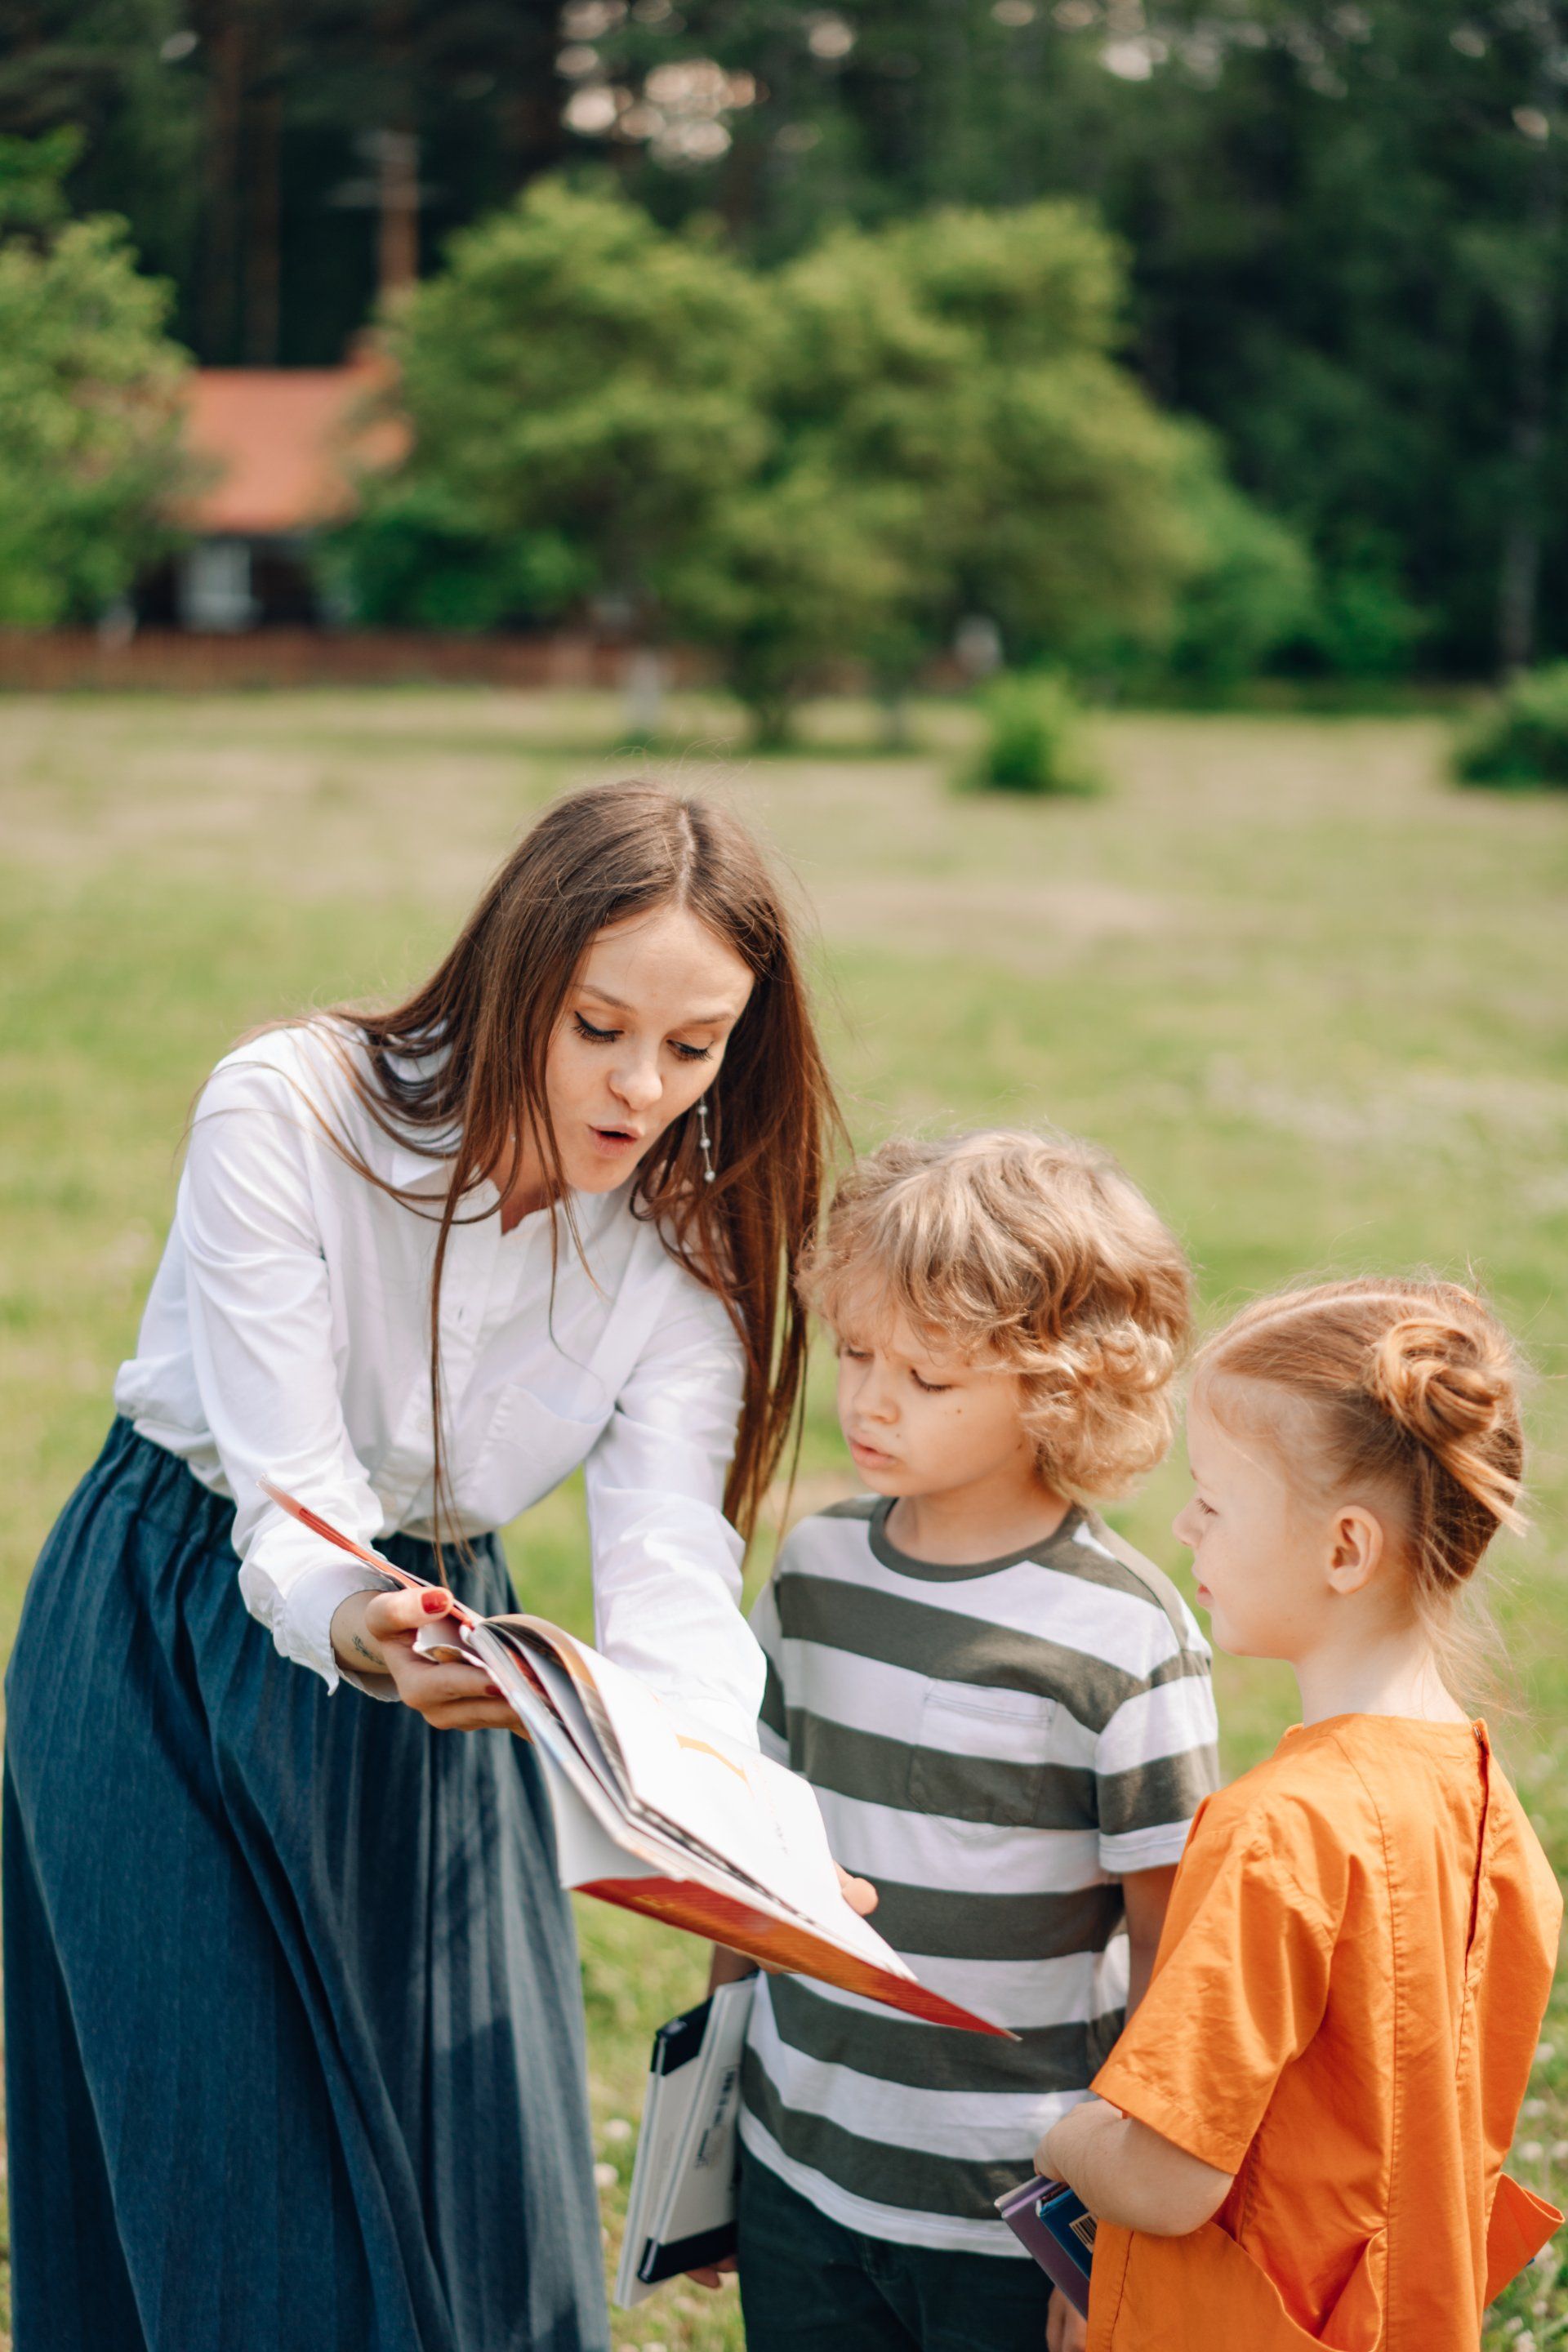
(435, 1604)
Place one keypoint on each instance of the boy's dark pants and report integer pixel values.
(808, 2284)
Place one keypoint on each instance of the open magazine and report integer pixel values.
(655, 1812)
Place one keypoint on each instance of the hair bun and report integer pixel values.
(1449, 1382)
(1432, 1376)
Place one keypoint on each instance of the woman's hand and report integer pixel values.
(373, 1633)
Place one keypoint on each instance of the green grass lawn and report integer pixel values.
(1312, 997)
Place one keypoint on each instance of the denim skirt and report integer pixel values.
(293, 2018)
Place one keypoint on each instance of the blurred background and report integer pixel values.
(1090, 481)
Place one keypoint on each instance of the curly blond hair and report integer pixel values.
(1035, 1251)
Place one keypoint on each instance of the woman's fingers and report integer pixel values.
(426, 1683)
(450, 1697)
(473, 1714)
(393, 1616)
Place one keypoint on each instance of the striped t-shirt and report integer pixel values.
(992, 1746)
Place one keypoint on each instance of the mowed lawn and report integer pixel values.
(1313, 997)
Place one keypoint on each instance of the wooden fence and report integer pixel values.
(173, 660)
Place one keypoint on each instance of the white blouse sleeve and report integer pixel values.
(667, 1563)
(260, 1318)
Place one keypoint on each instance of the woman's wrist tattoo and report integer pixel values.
(376, 1665)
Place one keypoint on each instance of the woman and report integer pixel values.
(293, 2023)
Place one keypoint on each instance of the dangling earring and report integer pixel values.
(704, 1143)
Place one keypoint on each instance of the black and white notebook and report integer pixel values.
(682, 2211)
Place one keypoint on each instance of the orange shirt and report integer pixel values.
(1343, 2013)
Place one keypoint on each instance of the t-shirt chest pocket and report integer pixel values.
(981, 1755)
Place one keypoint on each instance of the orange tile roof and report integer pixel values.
(281, 448)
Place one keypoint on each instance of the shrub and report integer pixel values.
(1523, 739)
(1364, 625)
(1251, 590)
(1033, 741)
(414, 558)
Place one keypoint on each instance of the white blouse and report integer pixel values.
(287, 1333)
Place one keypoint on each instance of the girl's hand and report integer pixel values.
(373, 1632)
(1067, 2330)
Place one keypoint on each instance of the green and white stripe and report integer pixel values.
(994, 1747)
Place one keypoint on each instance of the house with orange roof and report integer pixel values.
(280, 453)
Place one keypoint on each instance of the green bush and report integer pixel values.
(1523, 739)
(1033, 741)
(1364, 625)
(1251, 590)
(415, 558)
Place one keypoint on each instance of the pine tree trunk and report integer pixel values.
(263, 268)
(1518, 571)
(224, 40)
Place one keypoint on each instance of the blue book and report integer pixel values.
(1057, 2229)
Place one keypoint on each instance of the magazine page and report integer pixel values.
(756, 1817)
(658, 1813)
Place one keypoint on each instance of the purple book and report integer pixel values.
(1057, 2229)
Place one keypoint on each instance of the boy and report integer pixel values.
(1006, 1715)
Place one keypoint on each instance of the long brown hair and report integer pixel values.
(477, 1032)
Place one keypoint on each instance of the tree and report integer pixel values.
(835, 459)
(955, 375)
(1250, 595)
(249, 142)
(797, 570)
(950, 431)
(89, 402)
(1345, 223)
(577, 372)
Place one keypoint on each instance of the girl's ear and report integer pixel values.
(1359, 1543)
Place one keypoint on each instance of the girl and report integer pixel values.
(294, 2034)
(1300, 2137)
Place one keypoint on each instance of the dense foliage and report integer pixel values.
(247, 141)
(579, 379)
(1346, 225)
(89, 413)
(1523, 739)
(1345, 222)
(841, 457)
